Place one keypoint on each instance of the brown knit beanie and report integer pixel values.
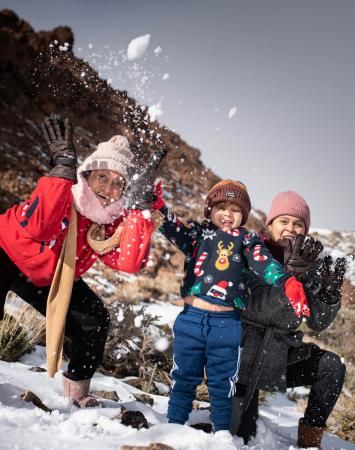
(229, 190)
(291, 204)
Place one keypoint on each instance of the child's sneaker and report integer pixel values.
(224, 436)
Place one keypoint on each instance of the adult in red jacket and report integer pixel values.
(33, 234)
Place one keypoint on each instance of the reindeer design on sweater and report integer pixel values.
(222, 262)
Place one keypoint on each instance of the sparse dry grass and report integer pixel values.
(20, 330)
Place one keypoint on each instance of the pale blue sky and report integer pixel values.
(288, 67)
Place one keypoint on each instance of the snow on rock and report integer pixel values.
(137, 47)
(64, 48)
(154, 111)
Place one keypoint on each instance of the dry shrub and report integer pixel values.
(131, 346)
(20, 330)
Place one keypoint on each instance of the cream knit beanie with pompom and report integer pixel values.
(114, 154)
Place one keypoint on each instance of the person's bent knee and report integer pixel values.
(332, 364)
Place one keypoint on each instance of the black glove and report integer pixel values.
(140, 193)
(301, 254)
(59, 136)
(333, 278)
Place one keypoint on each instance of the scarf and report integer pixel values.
(89, 205)
(59, 298)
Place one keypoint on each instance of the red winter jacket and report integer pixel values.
(32, 234)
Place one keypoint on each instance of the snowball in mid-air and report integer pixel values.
(154, 111)
(137, 47)
(166, 76)
(162, 344)
(232, 112)
(157, 50)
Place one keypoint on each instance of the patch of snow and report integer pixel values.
(155, 111)
(162, 344)
(321, 231)
(24, 426)
(165, 312)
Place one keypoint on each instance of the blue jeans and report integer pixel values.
(205, 340)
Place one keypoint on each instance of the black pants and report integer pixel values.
(322, 370)
(87, 319)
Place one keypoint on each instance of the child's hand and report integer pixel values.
(295, 293)
(158, 195)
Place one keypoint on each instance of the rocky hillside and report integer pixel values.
(40, 76)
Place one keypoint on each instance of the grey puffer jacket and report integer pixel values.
(271, 338)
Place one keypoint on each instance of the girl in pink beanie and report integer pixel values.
(274, 356)
(289, 203)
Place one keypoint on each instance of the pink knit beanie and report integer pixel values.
(114, 154)
(291, 204)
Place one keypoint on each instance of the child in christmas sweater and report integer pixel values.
(219, 253)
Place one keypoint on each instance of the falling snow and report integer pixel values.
(232, 112)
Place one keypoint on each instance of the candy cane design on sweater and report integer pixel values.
(197, 270)
(233, 232)
(256, 254)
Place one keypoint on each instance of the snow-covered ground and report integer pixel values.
(23, 426)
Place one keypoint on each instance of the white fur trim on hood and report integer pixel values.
(89, 205)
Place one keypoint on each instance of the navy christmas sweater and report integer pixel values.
(217, 262)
